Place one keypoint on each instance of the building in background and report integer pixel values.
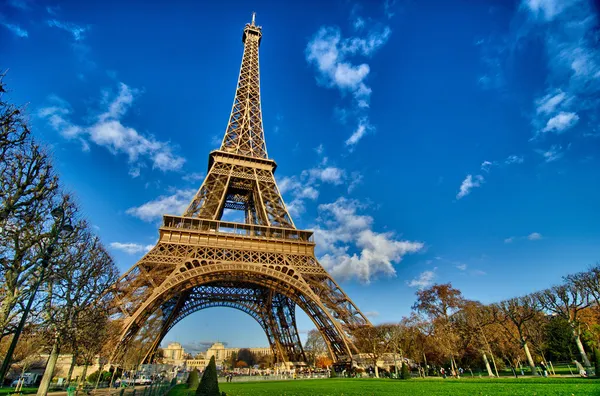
(175, 354)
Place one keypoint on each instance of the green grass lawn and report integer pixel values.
(430, 386)
(6, 391)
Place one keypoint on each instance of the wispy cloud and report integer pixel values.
(333, 57)
(24, 5)
(350, 248)
(513, 159)
(552, 154)
(468, 184)
(425, 279)
(534, 236)
(16, 29)
(175, 203)
(306, 186)
(75, 30)
(131, 248)
(108, 131)
(561, 122)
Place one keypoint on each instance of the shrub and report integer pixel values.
(105, 376)
(597, 361)
(193, 380)
(209, 385)
(405, 373)
(174, 381)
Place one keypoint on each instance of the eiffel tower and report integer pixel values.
(264, 266)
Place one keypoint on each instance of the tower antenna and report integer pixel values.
(253, 17)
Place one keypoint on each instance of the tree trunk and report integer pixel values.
(376, 370)
(529, 358)
(586, 361)
(9, 300)
(49, 371)
(83, 375)
(494, 363)
(71, 367)
(487, 365)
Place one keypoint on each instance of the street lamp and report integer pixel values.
(62, 224)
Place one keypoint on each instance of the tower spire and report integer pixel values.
(244, 134)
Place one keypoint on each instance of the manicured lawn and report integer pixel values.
(6, 391)
(433, 386)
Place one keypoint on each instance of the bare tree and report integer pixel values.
(315, 346)
(373, 342)
(567, 301)
(85, 273)
(439, 303)
(28, 193)
(515, 315)
(588, 281)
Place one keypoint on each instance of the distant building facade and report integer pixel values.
(175, 354)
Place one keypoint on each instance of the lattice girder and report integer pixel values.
(295, 289)
(198, 252)
(230, 173)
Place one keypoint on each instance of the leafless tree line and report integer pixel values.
(68, 314)
(448, 330)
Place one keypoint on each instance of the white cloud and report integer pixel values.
(361, 130)
(560, 122)
(552, 154)
(306, 186)
(468, 184)
(349, 248)
(461, 266)
(359, 23)
(193, 177)
(16, 29)
(331, 54)
(548, 103)
(75, 30)
(569, 31)
(320, 149)
(131, 248)
(547, 9)
(173, 204)
(329, 174)
(513, 159)
(372, 314)
(485, 166)
(109, 132)
(425, 279)
(534, 236)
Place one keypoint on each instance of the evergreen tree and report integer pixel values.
(404, 373)
(193, 380)
(209, 385)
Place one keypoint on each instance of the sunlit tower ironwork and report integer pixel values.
(263, 266)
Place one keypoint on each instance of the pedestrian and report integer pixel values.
(443, 372)
(544, 369)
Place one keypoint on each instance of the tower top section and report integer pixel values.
(252, 29)
(244, 135)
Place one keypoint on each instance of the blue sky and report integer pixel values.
(422, 141)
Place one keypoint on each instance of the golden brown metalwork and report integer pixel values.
(264, 267)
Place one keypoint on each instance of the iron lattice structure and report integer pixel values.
(264, 267)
